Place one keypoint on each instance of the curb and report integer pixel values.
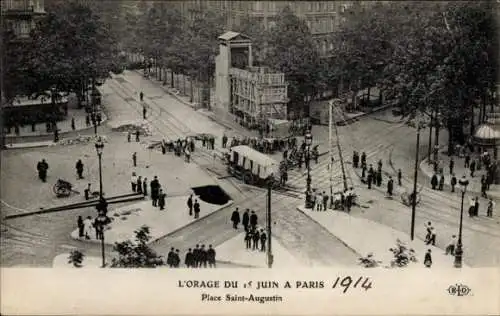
(166, 235)
(52, 134)
(329, 232)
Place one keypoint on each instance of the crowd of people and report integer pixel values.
(198, 257)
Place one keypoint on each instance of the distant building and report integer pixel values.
(21, 16)
(322, 17)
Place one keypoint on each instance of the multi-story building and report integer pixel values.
(21, 16)
(322, 17)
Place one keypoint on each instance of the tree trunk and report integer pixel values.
(368, 96)
(472, 127)
(450, 138)
(183, 84)
(171, 78)
(159, 77)
(429, 150)
(191, 92)
(436, 137)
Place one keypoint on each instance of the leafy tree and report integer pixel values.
(136, 254)
(293, 52)
(69, 47)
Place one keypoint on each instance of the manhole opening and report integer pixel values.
(212, 194)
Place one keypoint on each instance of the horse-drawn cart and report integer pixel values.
(251, 166)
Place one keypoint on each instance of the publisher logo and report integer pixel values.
(459, 290)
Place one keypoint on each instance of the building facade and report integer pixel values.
(21, 16)
(322, 17)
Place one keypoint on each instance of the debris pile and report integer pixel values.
(142, 126)
(82, 140)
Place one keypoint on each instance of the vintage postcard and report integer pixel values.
(249, 157)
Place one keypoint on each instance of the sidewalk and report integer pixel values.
(459, 170)
(353, 232)
(161, 223)
(234, 251)
(63, 126)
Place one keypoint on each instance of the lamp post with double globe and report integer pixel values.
(308, 142)
(102, 220)
(459, 252)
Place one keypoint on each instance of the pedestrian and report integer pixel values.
(472, 168)
(211, 256)
(467, 161)
(256, 238)
(73, 127)
(170, 257)
(145, 186)
(133, 182)
(246, 220)
(224, 141)
(79, 168)
(161, 199)
(363, 172)
(87, 120)
(196, 209)
(355, 159)
(428, 259)
(369, 180)
(450, 249)
(432, 238)
(400, 177)
(453, 182)
(203, 256)
(134, 159)
(390, 186)
(476, 207)
(187, 154)
(325, 201)
(379, 178)
(137, 133)
(144, 111)
(141, 96)
(196, 256)
(379, 165)
(484, 187)
(139, 185)
(235, 218)
(81, 227)
(99, 119)
(472, 203)
(248, 239)
(155, 190)
(263, 239)
(489, 210)
(319, 201)
(428, 228)
(86, 192)
(190, 204)
(97, 228)
(253, 220)
(441, 182)
(363, 159)
(129, 135)
(434, 181)
(87, 223)
(42, 168)
(452, 165)
(176, 259)
(188, 261)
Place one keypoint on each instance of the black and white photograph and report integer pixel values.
(206, 135)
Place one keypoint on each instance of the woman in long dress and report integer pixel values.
(87, 227)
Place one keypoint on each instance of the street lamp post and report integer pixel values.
(270, 257)
(102, 206)
(414, 194)
(308, 142)
(459, 252)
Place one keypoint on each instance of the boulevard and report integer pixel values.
(38, 239)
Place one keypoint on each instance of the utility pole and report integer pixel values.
(270, 257)
(330, 146)
(414, 197)
(344, 178)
